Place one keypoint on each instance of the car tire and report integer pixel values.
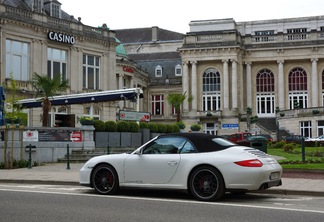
(206, 183)
(104, 179)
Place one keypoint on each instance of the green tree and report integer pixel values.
(176, 100)
(48, 87)
(15, 114)
(250, 118)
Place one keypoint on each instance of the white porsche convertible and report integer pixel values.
(205, 165)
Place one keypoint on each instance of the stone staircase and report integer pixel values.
(81, 156)
(269, 124)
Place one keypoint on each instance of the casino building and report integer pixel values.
(38, 36)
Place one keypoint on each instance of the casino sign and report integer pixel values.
(60, 37)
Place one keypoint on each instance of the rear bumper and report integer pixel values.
(267, 185)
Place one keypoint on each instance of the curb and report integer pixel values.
(290, 192)
(69, 183)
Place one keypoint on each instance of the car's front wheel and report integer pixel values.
(206, 183)
(105, 179)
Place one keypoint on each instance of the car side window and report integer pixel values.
(165, 145)
(188, 148)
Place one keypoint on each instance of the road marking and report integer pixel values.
(167, 200)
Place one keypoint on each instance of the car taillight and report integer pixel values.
(250, 163)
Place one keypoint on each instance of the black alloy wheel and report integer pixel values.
(105, 179)
(206, 183)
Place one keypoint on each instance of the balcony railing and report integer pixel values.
(293, 113)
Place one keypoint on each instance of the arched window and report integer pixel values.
(297, 85)
(178, 70)
(265, 81)
(211, 90)
(265, 93)
(297, 80)
(158, 71)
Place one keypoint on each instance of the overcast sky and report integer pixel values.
(175, 15)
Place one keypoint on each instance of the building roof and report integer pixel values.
(155, 56)
(20, 4)
(140, 35)
(120, 50)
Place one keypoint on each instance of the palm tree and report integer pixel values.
(48, 87)
(176, 100)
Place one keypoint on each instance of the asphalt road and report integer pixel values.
(63, 203)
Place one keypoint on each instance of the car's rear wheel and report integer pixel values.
(206, 183)
(105, 179)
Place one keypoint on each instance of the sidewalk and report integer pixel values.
(57, 173)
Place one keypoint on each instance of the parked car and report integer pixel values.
(205, 165)
(239, 136)
(320, 138)
(294, 138)
(269, 137)
(253, 137)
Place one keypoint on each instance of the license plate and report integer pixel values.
(275, 176)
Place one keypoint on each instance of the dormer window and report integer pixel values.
(56, 10)
(38, 6)
(178, 70)
(53, 7)
(158, 71)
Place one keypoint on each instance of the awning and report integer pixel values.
(101, 96)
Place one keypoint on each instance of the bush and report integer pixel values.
(161, 128)
(195, 127)
(143, 125)
(176, 128)
(277, 145)
(123, 126)
(111, 126)
(133, 127)
(181, 125)
(153, 127)
(169, 128)
(99, 125)
(289, 147)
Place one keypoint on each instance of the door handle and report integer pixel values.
(173, 163)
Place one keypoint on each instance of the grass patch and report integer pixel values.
(314, 157)
(304, 166)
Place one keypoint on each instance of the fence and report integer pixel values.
(50, 143)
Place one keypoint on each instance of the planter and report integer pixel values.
(13, 121)
(282, 114)
(114, 139)
(315, 111)
(86, 122)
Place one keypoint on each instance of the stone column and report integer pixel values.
(121, 86)
(226, 84)
(248, 84)
(234, 84)
(194, 85)
(185, 86)
(314, 83)
(281, 85)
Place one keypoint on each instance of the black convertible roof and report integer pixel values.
(202, 141)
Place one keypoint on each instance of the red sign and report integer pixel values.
(76, 137)
(128, 69)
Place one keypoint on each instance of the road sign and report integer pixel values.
(76, 136)
(134, 116)
(230, 126)
(30, 136)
